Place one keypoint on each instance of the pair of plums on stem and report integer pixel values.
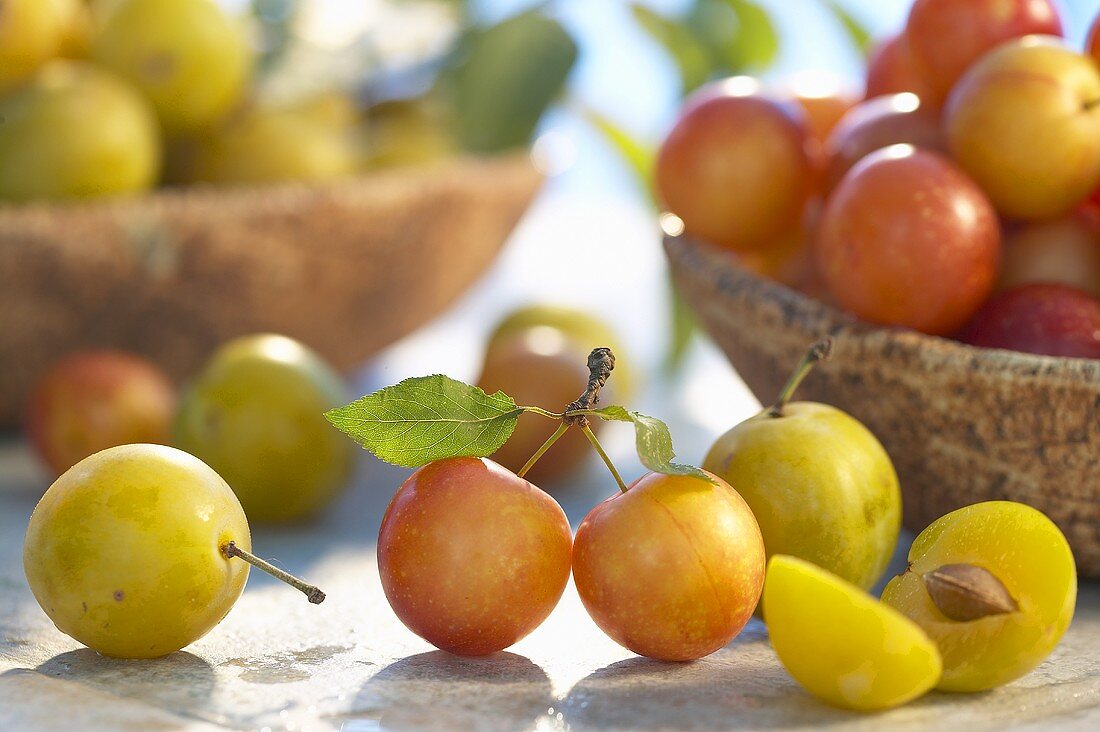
(473, 556)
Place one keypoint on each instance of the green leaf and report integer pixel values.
(506, 78)
(716, 25)
(757, 42)
(689, 53)
(652, 440)
(428, 418)
(857, 32)
(638, 156)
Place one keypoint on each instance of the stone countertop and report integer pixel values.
(279, 663)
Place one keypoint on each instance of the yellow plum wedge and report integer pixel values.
(841, 644)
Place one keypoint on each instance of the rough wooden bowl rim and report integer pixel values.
(812, 314)
(254, 196)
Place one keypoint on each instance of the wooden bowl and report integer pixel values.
(962, 424)
(347, 267)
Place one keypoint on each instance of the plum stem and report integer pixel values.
(819, 351)
(600, 364)
(312, 592)
(542, 450)
(603, 455)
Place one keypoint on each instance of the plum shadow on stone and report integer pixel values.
(438, 690)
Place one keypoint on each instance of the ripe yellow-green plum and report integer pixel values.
(92, 400)
(187, 56)
(408, 132)
(472, 558)
(672, 567)
(844, 646)
(76, 131)
(256, 414)
(266, 145)
(1024, 122)
(821, 486)
(994, 585)
(538, 355)
(31, 33)
(125, 551)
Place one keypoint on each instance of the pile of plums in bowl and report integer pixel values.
(947, 223)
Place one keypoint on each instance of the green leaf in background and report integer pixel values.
(428, 418)
(689, 53)
(637, 155)
(715, 24)
(757, 42)
(857, 32)
(507, 77)
(652, 440)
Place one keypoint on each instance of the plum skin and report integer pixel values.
(472, 557)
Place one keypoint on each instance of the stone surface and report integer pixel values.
(277, 662)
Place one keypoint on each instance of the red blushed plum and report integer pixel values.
(947, 36)
(93, 400)
(472, 558)
(672, 568)
(1047, 319)
(738, 166)
(877, 123)
(891, 70)
(908, 239)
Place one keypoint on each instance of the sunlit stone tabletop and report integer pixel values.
(278, 663)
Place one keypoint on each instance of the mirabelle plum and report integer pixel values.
(672, 568)
(92, 400)
(908, 239)
(76, 131)
(188, 56)
(877, 123)
(1019, 549)
(538, 355)
(266, 145)
(472, 557)
(256, 414)
(1063, 251)
(841, 644)
(946, 37)
(1024, 122)
(892, 70)
(124, 551)
(738, 166)
(31, 33)
(1048, 319)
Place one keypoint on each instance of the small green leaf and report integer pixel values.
(757, 42)
(428, 418)
(687, 51)
(652, 440)
(638, 156)
(857, 32)
(506, 78)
